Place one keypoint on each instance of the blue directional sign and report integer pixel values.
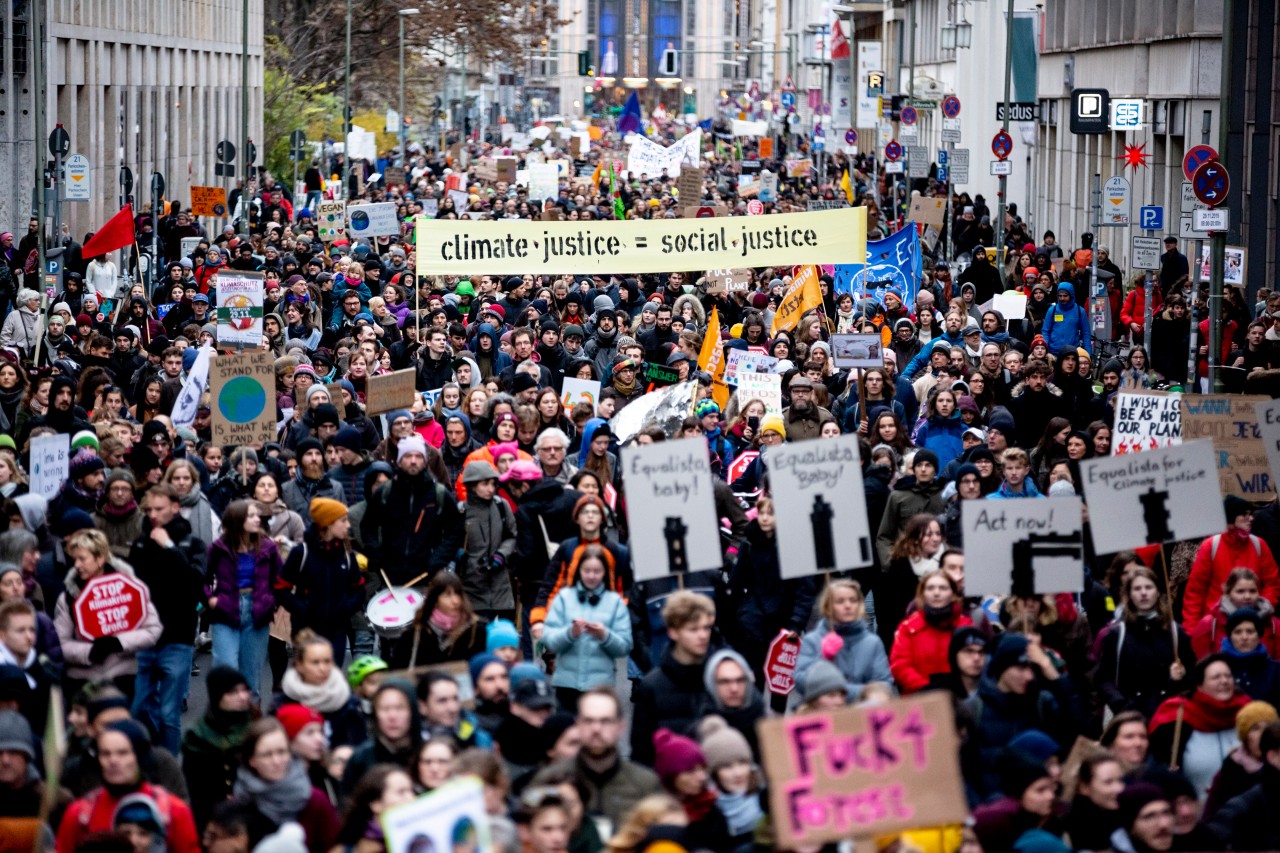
(788, 99)
(1151, 218)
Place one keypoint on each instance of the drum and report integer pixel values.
(392, 611)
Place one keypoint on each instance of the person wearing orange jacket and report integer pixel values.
(1219, 554)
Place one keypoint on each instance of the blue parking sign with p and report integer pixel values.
(1151, 218)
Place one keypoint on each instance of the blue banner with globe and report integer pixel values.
(891, 262)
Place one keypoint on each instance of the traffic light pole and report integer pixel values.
(41, 104)
(245, 200)
(1004, 179)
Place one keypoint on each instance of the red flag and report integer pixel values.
(116, 234)
(839, 44)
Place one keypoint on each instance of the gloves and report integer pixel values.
(104, 647)
(498, 562)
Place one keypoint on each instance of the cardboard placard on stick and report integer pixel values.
(670, 508)
(1231, 421)
(821, 508)
(857, 350)
(689, 185)
(1156, 496)
(209, 201)
(929, 211)
(718, 281)
(1268, 413)
(862, 771)
(452, 817)
(391, 391)
(243, 398)
(1027, 547)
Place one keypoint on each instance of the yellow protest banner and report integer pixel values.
(209, 201)
(507, 247)
(803, 295)
(711, 359)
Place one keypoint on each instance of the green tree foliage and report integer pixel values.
(290, 104)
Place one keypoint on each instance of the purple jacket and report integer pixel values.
(223, 585)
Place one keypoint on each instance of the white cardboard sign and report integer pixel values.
(1146, 422)
(373, 220)
(1163, 495)
(765, 387)
(670, 508)
(50, 463)
(821, 508)
(1043, 534)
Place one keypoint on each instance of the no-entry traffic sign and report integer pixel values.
(1196, 158)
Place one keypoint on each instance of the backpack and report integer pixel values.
(1216, 540)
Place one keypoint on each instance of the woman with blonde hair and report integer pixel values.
(655, 810)
(195, 506)
(13, 481)
(843, 637)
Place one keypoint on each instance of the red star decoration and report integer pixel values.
(1135, 156)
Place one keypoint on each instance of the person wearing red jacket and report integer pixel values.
(1219, 554)
(923, 639)
(124, 753)
(1133, 313)
(1240, 590)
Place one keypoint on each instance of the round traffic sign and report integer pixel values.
(226, 151)
(851, 137)
(1211, 183)
(157, 183)
(908, 115)
(892, 150)
(59, 141)
(951, 106)
(1002, 144)
(1196, 158)
(126, 179)
(755, 207)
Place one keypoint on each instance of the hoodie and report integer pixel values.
(494, 361)
(1067, 325)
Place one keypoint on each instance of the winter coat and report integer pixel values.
(1067, 325)
(298, 492)
(75, 647)
(861, 658)
(1134, 661)
(767, 603)
(584, 662)
(1247, 822)
(223, 583)
(672, 696)
(175, 578)
(1214, 560)
(560, 573)
(807, 425)
(544, 520)
(95, 812)
(920, 648)
(320, 585)
(942, 436)
(1208, 633)
(908, 498)
(1135, 307)
(491, 534)
(412, 525)
(1032, 411)
(614, 792)
(999, 717)
(422, 646)
(121, 530)
(21, 329)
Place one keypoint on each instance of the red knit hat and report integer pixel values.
(296, 717)
(675, 754)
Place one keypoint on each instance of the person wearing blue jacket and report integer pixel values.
(943, 431)
(588, 628)
(491, 360)
(1066, 324)
(843, 637)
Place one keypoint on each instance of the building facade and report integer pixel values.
(148, 84)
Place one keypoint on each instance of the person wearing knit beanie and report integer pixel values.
(1251, 715)
(220, 681)
(722, 744)
(84, 463)
(675, 754)
(503, 640)
(774, 423)
(411, 445)
(590, 500)
(295, 717)
(824, 687)
(85, 439)
(326, 512)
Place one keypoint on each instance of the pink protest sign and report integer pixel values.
(863, 771)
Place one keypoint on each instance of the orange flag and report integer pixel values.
(711, 359)
(803, 296)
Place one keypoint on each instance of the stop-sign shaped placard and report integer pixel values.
(780, 663)
(109, 605)
(755, 207)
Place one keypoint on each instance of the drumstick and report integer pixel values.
(418, 578)
(390, 588)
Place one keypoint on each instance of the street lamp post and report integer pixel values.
(346, 113)
(1004, 180)
(404, 135)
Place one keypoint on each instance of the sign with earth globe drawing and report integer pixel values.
(240, 297)
(243, 408)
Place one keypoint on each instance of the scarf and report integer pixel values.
(921, 566)
(939, 617)
(281, 801)
(1232, 652)
(325, 698)
(626, 389)
(442, 621)
(741, 811)
(118, 514)
(1200, 711)
(218, 732)
(700, 806)
(90, 495)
